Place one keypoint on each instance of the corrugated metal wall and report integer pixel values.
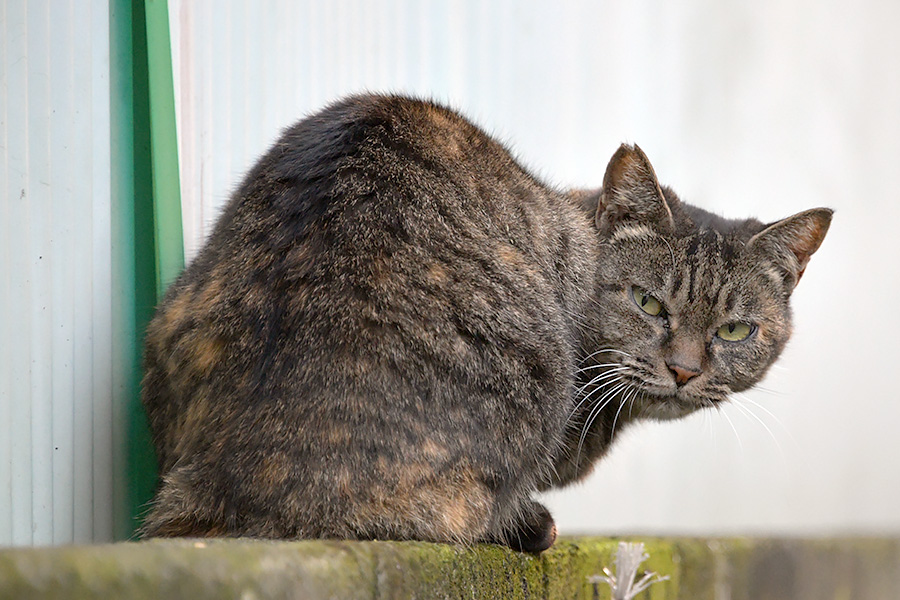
(762, 109)
(766, 109)
(57, 439)
(245, 71)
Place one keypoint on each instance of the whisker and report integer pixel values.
(671, 252)
(631, 405)
(746, 398)
(769, 390)
(601, 404)
(746, 410)
(603, 375)
(743, 397)
(598, 378)
(711, 431)
(592, 354)
(582, 322)
(597, 366)
(616, 419)
(643, 392)
(592, 416)
(612, 379)
(733, 428)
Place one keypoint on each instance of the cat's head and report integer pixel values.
(694, 307)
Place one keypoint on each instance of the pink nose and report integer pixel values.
(682, 375)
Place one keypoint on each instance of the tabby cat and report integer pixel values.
(395, 331)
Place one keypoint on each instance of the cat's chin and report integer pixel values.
(670, 407)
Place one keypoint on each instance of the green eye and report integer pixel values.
(735, 332)
(648, 303)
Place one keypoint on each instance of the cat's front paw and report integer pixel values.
(534, 533)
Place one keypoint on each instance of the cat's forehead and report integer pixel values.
(703, 271)
(709, 245)
(689, 269)
(714, 275)
(700, 246)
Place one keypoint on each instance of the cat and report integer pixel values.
(395, 331)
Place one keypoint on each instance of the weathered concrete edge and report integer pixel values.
(699, 569)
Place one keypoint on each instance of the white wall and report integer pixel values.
(762, 108)
(56, 326)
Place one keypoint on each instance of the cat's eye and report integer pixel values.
(735, 332)
(647, 303)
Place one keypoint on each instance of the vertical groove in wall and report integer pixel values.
(60, 216)
(6, 414)
(101, 511)
(19, 299)
(41, 258)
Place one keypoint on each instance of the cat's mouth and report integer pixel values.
(664, 404)
(646, 396)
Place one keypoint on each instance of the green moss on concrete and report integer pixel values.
(190, 569)
(695, 563)
(418, 570)
(245, 569)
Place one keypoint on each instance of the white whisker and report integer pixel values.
(746, 398)
(592, 354)
(613, 379)
(746, 410)
(595, 412)
(711, 431)
(597, 379)
(643, 395)
(743, 397)
(671, 252)
(769, 390)
(633, 391)
(602, 389)
(597, 366)
(733, 428)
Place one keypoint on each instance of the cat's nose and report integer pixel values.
(682, 375)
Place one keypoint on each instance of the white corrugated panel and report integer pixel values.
(765, 108)
(56, 441)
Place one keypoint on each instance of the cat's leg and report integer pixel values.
(533, 531)
(179, 510)
(410, 503)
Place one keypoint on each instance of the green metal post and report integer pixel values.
(164, 147)
(148, 247)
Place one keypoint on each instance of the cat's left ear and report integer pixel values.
(631, 193)
(792, 241)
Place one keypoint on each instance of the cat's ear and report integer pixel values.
(632, 193)
(791, 241)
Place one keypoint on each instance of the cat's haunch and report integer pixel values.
(395, 331)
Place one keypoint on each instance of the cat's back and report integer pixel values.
(373, 171)
(384, 247)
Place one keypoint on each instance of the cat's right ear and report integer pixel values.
(631, 193)
(792, 241)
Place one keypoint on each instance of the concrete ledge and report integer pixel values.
(732, 569)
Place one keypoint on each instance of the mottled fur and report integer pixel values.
(395, 330)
